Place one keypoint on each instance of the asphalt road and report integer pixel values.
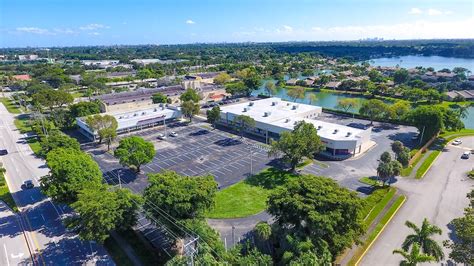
(13, 248)
(440, 197)
(49, 240)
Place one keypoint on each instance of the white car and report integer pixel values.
(457, 142)
(465, 155)
(173, 134)
(161, 136)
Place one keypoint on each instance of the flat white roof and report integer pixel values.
(325, 129)
(270, 109)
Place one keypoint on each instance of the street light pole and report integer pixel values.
(119, 180)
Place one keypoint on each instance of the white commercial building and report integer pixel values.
(135, 120)
(274, 116)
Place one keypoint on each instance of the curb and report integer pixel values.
(383, 228)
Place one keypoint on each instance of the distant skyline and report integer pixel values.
(105, 22)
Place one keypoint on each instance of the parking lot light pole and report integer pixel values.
(251, 165)
(119, 181)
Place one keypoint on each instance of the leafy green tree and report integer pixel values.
(82, 109)
(375, 76)
(296, 93)
(105, 126)
(250, 78)
(190, 109)
(422, 238)
(134, 152)
(414, 257)
(401, 76)
(182, 197)
(189, 95)
(57, 139)
(100, 211)
(159, 98)
(222, 78)
(462, 249)
(237, 88)
(243, 123)
(263, 230)
(427, 119)
(399, 110)
(347, 103)
(388, 168)
(302, 142)
(397, 147)
(52, 98)
(374, 109)
(318, 209)
(451, 119)
(213, 115)
(270, 88)
(71, 170)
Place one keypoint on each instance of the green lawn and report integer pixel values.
(378, 228)
(249, 196)
(5, 194)
(239, 200)
(407, 171)
(34, 145)
(426, 164)
(10, 105)
(22, 124)
(376, 202)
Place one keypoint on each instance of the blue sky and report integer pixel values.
(106, 22)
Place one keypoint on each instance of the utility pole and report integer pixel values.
(422, 133)
(119, 180)
(190, 249)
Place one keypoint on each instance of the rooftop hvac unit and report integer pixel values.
(296, 122)
(294, 107)
(267, 114)
(319, 127)
(274, 103)
(155, 110)
(335, 131)
(246, 109)
(135, 114)
(143, 113)
(287, 104)
(348, 134)
(287, 120)
(250, 103)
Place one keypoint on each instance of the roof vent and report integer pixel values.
(155, 110)
(267, 114)
(246, 109)
(274, 103)
(335, 131)
(287, 120)
(348, 134)
(296, 122)
(135, 114)
(294, 107)
(250, 103)
(287, 104)
(319, 127)
(143, 113)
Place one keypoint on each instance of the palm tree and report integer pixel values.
(414, 257)
(312, 98)
(463, 111)
(421, 237)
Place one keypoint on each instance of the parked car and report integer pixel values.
(457, 142)
(161, 136)
(28, 184)
(465, 155)
(173, 134)
(3, 152)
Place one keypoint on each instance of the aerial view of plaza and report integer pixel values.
(236, 132)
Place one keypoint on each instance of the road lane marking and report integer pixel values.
(19, 255)
(6, 254)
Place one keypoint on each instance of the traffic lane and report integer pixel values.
(14, 249)
(440, 197)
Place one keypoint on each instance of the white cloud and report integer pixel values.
(421, 29)
(94, 33)
(415, 11)
(429, 12)
(94, 26)
(434, 12)
(65, 31)
(190, 22)
(287, 28)
(34, 30)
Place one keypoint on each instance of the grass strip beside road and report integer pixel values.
(376, 202)
(407, 171)
(5, 194)
(10, 105)
(426, 164)
(377, 230)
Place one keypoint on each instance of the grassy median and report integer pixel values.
(5, 194)
(10, 105)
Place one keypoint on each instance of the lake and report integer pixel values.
(329, 100)
(436, 62)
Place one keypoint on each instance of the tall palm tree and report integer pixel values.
(414, 256)
(463, 111)
(421, 237)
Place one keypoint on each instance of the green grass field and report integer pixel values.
(22, 124)
(10, 105)
(376, 202)
(239, 200)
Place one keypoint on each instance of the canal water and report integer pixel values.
(436, 62)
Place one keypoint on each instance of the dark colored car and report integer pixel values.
(3, 152)
(28, 184)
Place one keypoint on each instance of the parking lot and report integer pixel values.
(199, 150)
